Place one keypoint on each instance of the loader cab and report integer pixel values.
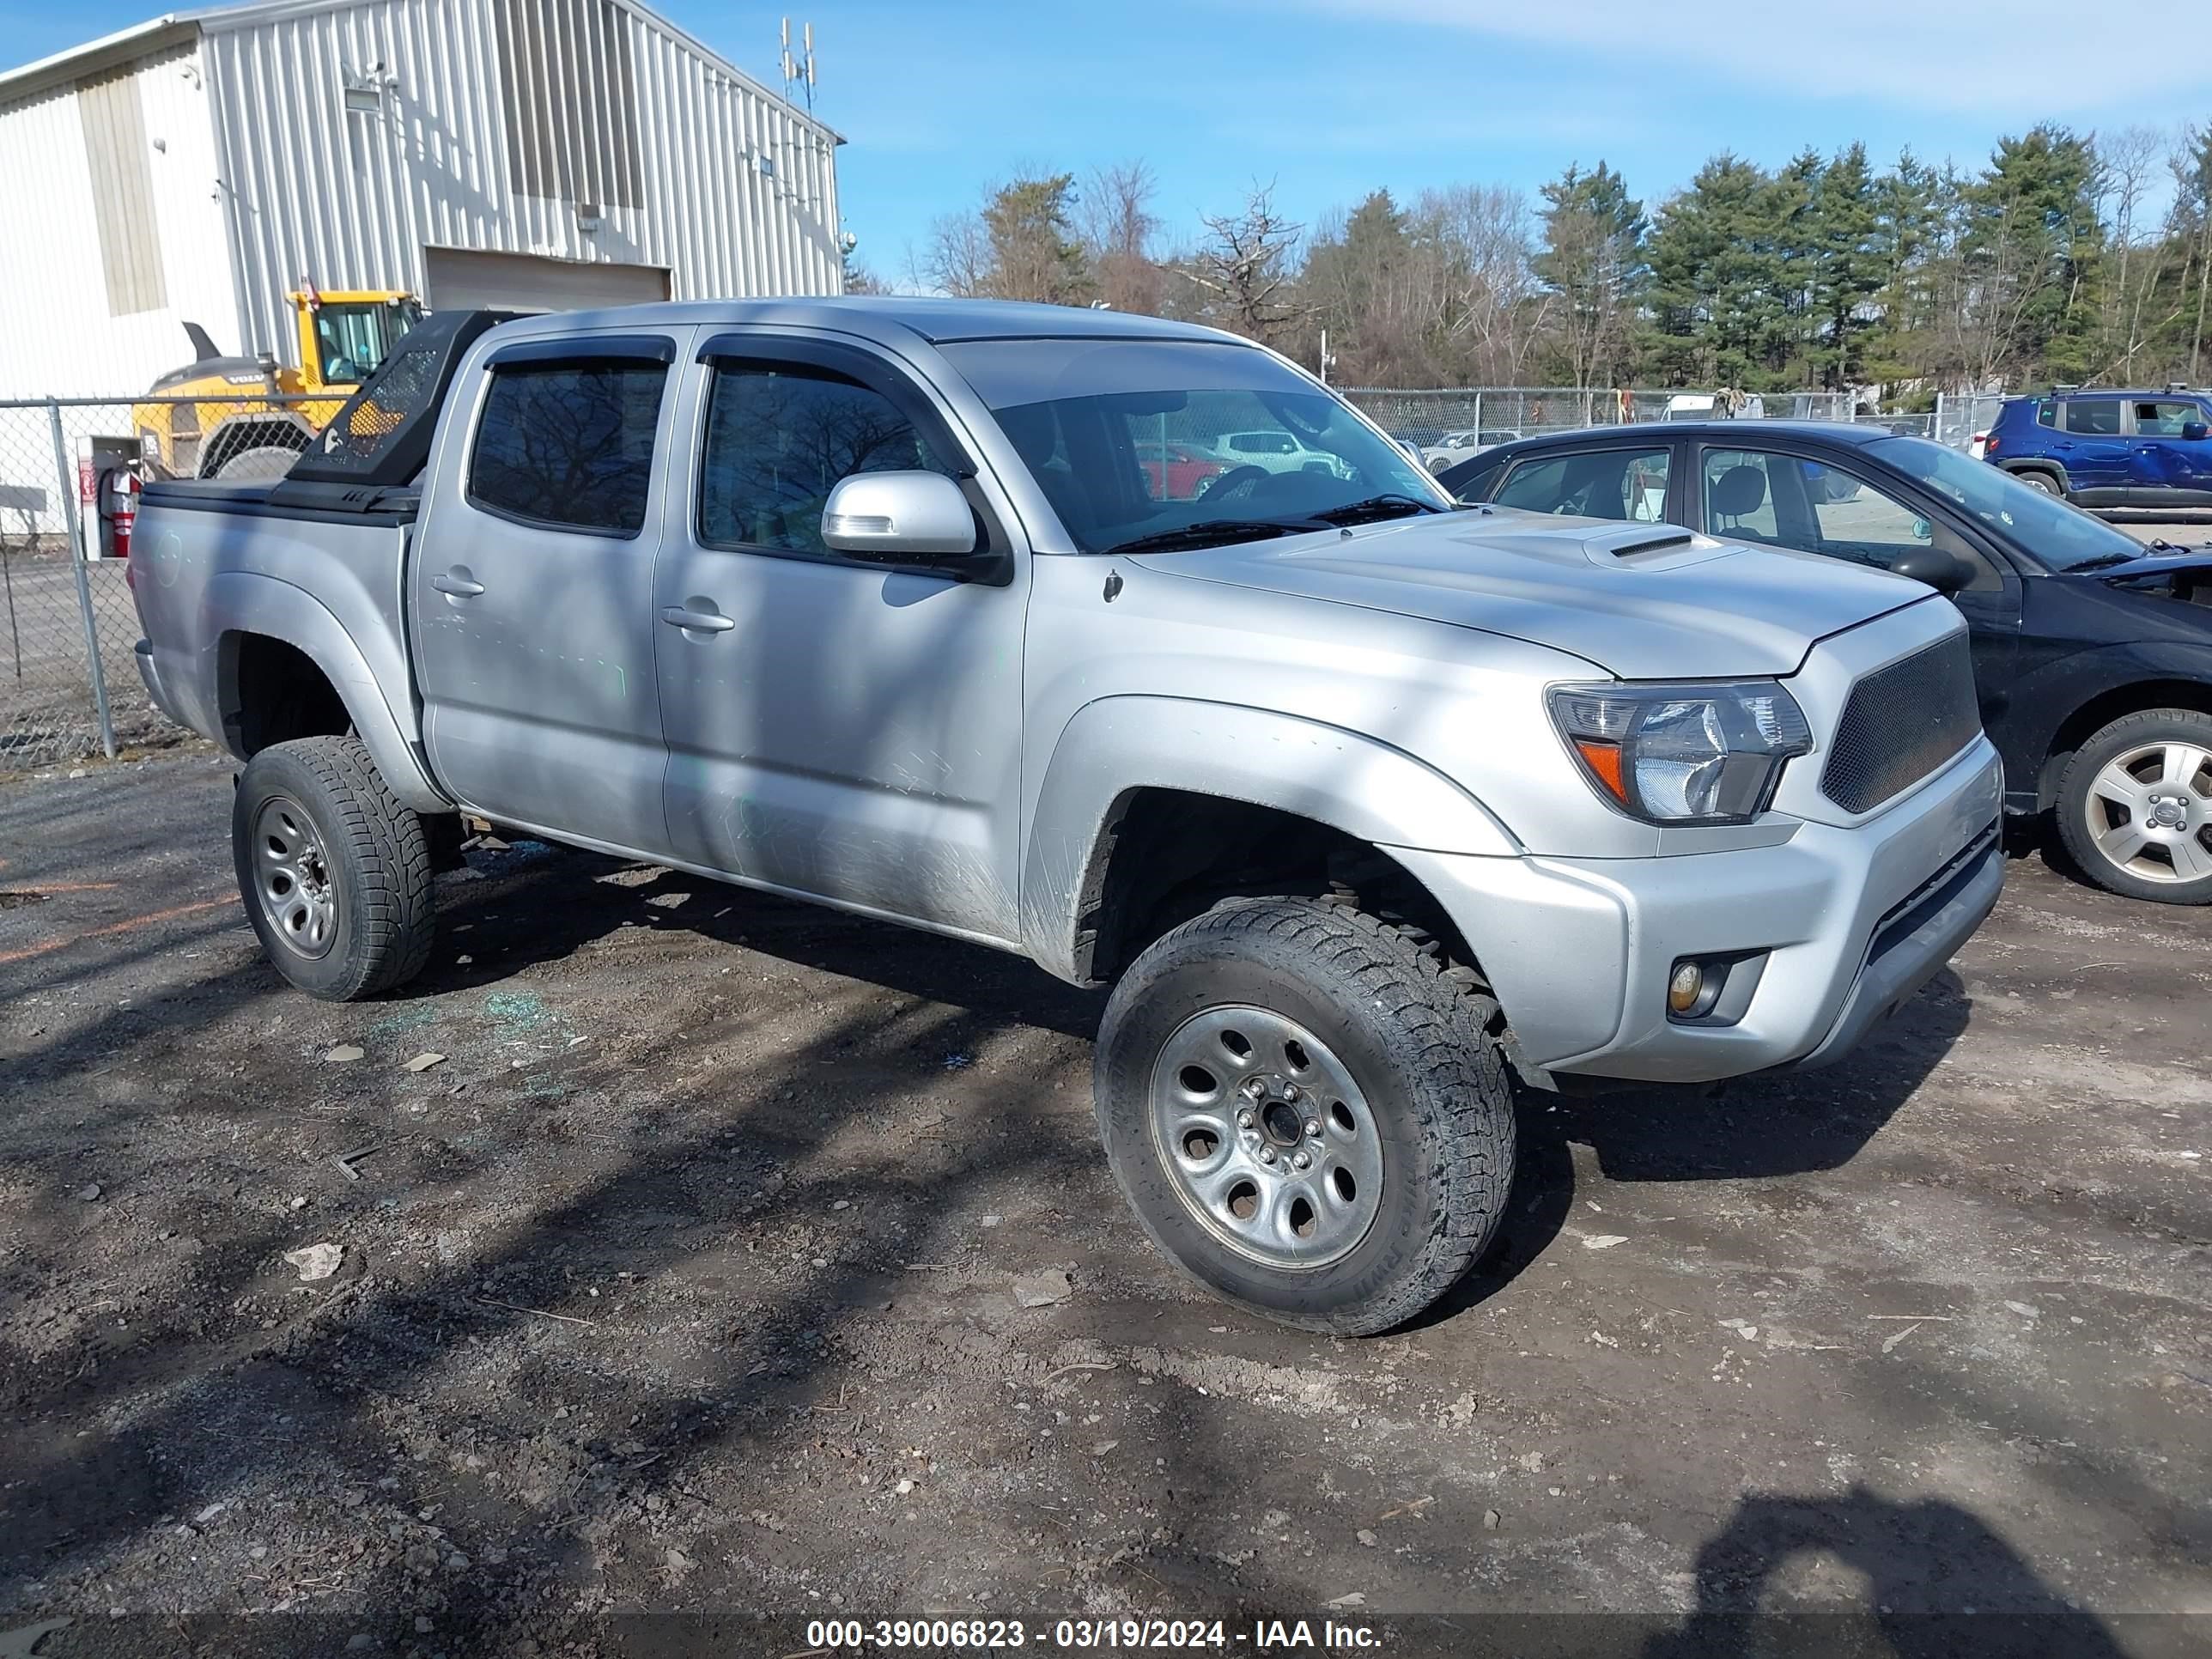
(345, 338)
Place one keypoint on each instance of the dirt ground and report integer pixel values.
(675, 1304)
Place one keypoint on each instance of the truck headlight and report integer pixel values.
(1682, 754)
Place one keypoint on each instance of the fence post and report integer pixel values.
(1940, 428)
(62, 476)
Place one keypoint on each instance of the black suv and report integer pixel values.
(2093, 653)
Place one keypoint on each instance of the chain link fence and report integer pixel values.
(68, 682)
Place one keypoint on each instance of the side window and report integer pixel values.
(2098, 417)
(1607, 483)
(2046, 414)
(778, 440)
(1862, 522)
(1473, 484)
(2165, 420)
(569, 445)
(1739, 495)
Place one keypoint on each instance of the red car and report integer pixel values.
(1177, 472)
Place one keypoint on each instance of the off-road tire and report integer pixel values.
(379, 857)
(2151, 726)
(1423, 1043)
(262, 461)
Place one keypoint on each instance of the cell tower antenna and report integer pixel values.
(798, 69)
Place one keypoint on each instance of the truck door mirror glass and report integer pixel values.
(899, 518)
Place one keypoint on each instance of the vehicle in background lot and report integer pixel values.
(1356, 799)
(2093, 653)
(2104, 449)
(1177, 471)
(1977, 445)
(1280, 451)
(1456, 447)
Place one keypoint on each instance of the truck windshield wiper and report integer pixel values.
(1215, 532)
(2106, 561)
(1375, 508)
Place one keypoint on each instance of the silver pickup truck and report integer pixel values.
(1365, 805)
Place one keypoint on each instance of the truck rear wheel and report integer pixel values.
(335, 873)
(1307, 1113)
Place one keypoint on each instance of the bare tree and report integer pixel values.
(1245, 266)
(957, 260)
(1491, 309)
(1118, 227)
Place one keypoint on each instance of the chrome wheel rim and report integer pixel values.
(292, 879)
(2150, 809)
(1265, 1137)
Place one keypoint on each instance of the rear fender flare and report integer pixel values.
(239, 603)
(1116, 746)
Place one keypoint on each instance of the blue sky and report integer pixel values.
(1331, 98)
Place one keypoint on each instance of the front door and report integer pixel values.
(835, 728)
(532, 592)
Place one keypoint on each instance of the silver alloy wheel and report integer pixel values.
(2150, 809)
(1268, 1137)
(292, 879)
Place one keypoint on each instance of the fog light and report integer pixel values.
(1685, 987)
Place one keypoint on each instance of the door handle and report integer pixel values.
(459, 586)
(706, 622)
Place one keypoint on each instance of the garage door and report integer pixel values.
(464, 281)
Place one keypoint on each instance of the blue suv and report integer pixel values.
(2109, 448)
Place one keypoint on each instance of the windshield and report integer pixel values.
(1256, 449)
(2060, 537)
(354, 338)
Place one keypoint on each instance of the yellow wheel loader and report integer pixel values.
(246, 417)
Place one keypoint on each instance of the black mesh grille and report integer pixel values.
(1901, 723)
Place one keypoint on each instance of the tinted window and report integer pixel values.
(1470, 481)
(2046, 415)
(2095, 416)
(569, 445)
(777, 442)
(1611, 484)
(2165, 420)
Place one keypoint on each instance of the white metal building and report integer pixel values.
(539, 154)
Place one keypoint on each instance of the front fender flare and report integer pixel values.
(1118, 745)
(238, 602)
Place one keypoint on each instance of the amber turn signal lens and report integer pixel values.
(1685, 986)
(1603, 760)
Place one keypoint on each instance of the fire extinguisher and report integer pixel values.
(118, 510)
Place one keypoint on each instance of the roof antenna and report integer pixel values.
(798, 70)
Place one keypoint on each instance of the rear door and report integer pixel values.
(2094, 445)
(835, 728)
(532, 588)
(2170, 469)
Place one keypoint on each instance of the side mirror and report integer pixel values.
(1941, 569)
(899, 518)
(2196, 431)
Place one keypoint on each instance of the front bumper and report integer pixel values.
(1845, 923)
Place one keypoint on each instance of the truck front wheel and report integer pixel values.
(1307, 1113)
(335, 873)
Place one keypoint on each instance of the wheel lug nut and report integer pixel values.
(1266, 1155)
(1313, 1128)
(1244, 1119)
(1291, 1092)
(1252, 1088)
(1302, 1161)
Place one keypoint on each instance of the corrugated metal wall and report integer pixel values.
(114, 234)
(454, 154)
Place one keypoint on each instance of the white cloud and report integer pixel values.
(2148, 61)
